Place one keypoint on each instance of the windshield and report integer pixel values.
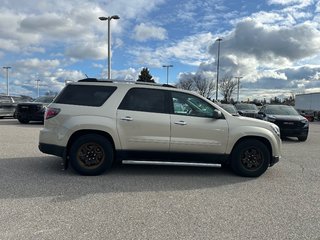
(229, 108)
(281, 110)
(246, 107)
(44, 99)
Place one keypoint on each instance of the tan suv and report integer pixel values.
(91, 124)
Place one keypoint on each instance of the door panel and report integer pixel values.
(137, 132)
(143, 121)
(193, 128)
(200, 135)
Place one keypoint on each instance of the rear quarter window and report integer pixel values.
(5, 99)
(85, 95)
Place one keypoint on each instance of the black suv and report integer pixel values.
(290, 122)
(32, 111)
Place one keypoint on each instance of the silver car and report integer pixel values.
(7, 106)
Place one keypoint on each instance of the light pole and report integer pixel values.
(7, 69)
(238, 78)
(217, 83)
(167, 66)
(109, 37)
(38, 80)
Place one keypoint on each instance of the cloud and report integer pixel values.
(290, 2)
(269, 44)
(35, 63)
(253, 47)
(130, 74)
(87, 51)
(133, 9)
(192, 50)
(144, 32)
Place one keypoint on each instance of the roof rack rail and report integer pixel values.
(168, 85)
(93, 80)
(126, 81)
(88, 80)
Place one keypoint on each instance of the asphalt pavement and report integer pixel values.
(39, 200)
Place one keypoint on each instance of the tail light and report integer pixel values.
(51, 112)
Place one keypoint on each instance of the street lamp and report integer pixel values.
(7, 69)
(38, 80)
(109, 37)
(218, 40)
(167, 66)
(238, 78)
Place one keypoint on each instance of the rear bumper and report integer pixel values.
(52, 149)
(36, 116)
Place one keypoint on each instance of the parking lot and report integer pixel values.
(38, 200)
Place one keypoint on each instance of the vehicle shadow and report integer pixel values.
(44, 177)
(15, 122)
(290, 140)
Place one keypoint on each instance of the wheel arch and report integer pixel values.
(83, 132)
(257, 138)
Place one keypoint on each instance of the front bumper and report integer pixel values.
(274, 160)
(294, 132)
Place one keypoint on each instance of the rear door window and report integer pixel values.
(85, 95)
(145, 100)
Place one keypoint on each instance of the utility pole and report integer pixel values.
(38, 80)
(217, 84)
(109, 18)
(7, 69)
(167, 66)
(238, 78)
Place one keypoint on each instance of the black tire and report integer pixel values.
(225, 166)
(302, 138)
(23, 120)
(250, 158)
(91, 154)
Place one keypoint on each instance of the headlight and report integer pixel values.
(276, 129)
(271, 118)
(305, 122)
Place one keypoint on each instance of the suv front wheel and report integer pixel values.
(91, 154)
(250, 158)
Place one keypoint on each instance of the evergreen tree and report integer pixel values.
(145, 76)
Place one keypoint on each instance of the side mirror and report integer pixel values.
(261, 115)
(216, 114)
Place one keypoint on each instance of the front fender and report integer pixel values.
(241, 132)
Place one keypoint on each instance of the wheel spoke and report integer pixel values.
(252, 159)
(90, 155)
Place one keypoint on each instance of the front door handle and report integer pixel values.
(127, 118)
(181, 123)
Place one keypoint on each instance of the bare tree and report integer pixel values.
(203, 86)
(186, 84)
(199, 84)
(227, 86)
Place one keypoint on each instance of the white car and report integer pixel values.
(91, 124)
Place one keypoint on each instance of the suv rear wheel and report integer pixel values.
(91, 154)
(23, 120)
(250, 158)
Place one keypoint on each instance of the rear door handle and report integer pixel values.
(127, 118)
(181, 123)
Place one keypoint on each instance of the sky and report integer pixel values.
(274, 45)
